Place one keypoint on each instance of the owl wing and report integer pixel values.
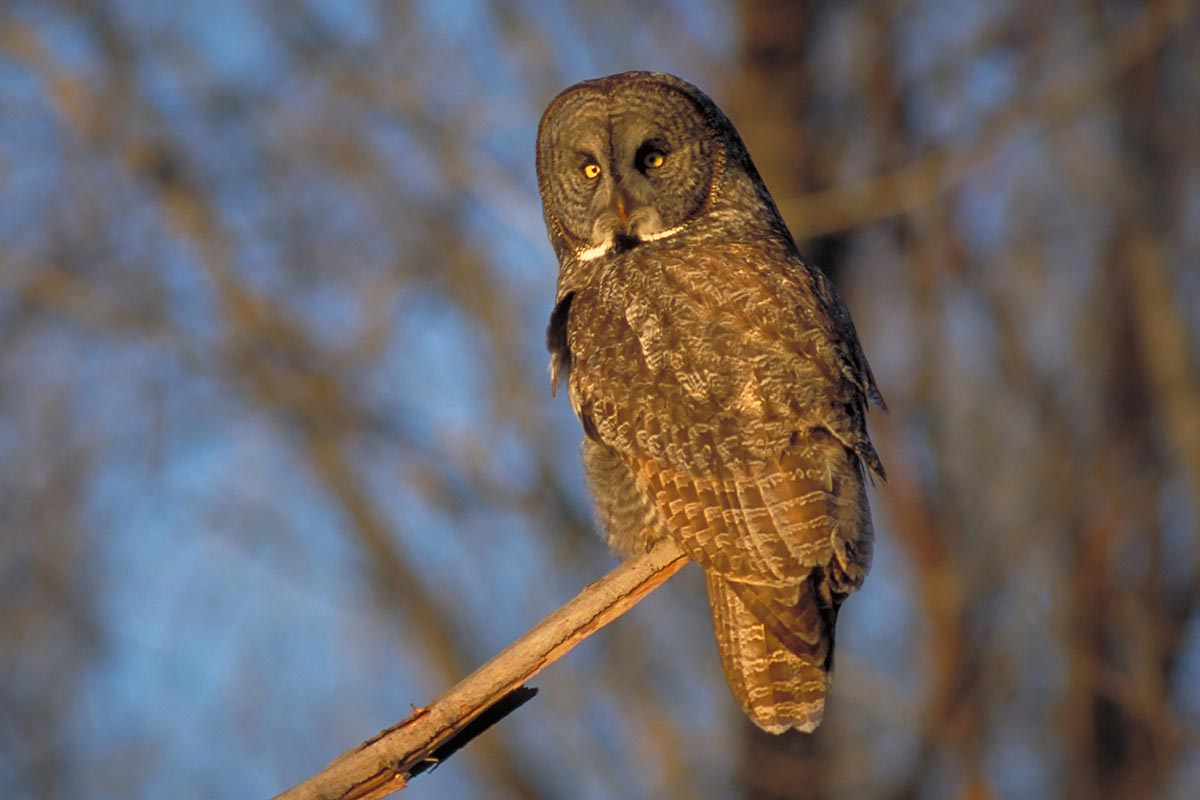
(732, 389)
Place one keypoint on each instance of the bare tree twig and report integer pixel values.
(931, 175)
(384, 763)
(1167, 351)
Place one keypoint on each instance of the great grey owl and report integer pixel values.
(718, 378)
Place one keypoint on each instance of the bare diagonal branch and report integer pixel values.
(383, 764)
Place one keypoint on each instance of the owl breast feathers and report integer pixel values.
(718, 378)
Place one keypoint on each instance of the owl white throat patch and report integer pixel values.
(609, 245)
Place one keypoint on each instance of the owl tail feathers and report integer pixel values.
(779, 689)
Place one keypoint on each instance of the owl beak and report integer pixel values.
(621, 206)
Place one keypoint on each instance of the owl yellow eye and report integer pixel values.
(653, 159)
(591, 171)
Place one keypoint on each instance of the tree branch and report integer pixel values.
(931, 175)
(384, 763)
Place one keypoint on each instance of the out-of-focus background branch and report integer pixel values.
(278, 456)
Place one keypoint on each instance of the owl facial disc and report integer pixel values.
(627, 161)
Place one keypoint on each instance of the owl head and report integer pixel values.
(642, 157)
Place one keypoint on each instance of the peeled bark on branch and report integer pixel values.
(384, 763)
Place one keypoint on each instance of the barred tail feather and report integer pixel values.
(778, 687)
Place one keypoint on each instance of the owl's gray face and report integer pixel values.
(627, 159)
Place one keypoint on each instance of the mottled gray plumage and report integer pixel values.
(719, 380)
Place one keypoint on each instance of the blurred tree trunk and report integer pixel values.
(1123, 743)
(770, 102)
